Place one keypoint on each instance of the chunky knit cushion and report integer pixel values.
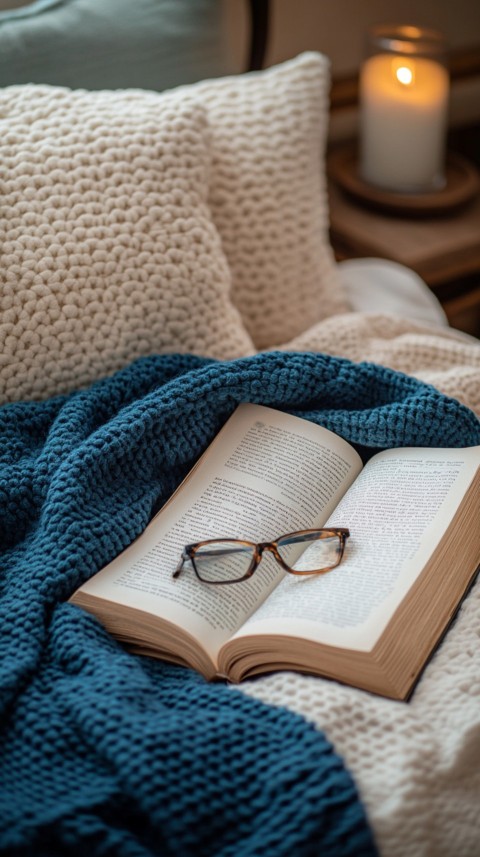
(108, 248)
(267, 190)
(268, 195)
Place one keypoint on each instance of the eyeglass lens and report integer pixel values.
(318, 553)
(223, 562)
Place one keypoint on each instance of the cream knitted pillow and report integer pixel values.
(268, 194)
(268, 191)
(108, 249)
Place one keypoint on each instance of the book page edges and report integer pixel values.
(147, 634)
(394, 664)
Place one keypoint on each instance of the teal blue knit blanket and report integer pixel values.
(107, 753)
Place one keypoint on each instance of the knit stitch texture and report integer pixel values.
(104, 752)
(108, 251)
(111, 184)
(268, 193)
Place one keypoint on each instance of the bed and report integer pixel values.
(158, 248)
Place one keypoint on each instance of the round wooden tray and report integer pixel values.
(462, 184)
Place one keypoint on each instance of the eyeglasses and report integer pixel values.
(219, 561)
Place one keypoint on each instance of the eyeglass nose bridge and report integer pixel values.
(272, 548)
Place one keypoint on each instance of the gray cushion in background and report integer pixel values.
(113, 44)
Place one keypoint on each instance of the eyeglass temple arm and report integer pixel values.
(180, 565)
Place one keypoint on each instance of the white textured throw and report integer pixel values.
(108, 248)
(442, 356)
(417, 764)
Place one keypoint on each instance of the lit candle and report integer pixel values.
(404, 104)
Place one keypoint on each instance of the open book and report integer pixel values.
(414, 547)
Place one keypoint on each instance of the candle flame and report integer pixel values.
(404, 75)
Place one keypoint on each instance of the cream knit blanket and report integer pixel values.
(442, 356)
(417, 764)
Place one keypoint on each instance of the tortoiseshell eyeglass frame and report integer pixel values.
(189, 551)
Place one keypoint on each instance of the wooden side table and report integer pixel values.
(444, 249)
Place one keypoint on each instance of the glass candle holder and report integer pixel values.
(404, 94)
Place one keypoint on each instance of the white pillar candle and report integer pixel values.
(404, 103)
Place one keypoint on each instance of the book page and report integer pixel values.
(267, 474)
(397, 510)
